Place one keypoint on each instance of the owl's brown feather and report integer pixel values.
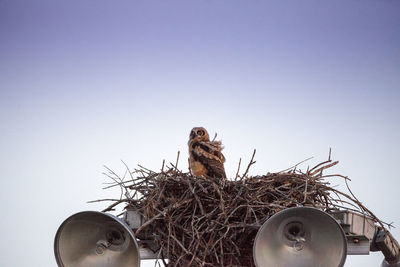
(205, 156)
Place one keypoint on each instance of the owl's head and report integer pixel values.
(199, 134)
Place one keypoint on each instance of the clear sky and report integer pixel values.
(87, 83)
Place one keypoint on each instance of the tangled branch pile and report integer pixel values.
(199, 221)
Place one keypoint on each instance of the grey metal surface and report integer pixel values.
(95, 239)
(355, 224)
(133, 218)
(147, 254)
(357, 245)
(302, 237)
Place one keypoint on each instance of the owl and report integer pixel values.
(205, 157)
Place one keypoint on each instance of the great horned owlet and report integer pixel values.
(205, 156)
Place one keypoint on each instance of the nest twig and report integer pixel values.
(202, 221)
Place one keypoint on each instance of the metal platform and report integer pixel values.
(362, 235)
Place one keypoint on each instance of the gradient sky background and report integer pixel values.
(87, 83)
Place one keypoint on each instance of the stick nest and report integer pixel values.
(200, 221)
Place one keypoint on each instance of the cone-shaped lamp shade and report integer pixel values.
(95, 239)
(301, 237)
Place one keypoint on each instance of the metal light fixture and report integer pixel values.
(302, 237)
(92, 238)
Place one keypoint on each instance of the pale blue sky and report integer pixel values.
(87, 83)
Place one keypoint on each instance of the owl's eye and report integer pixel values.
(200, 132)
